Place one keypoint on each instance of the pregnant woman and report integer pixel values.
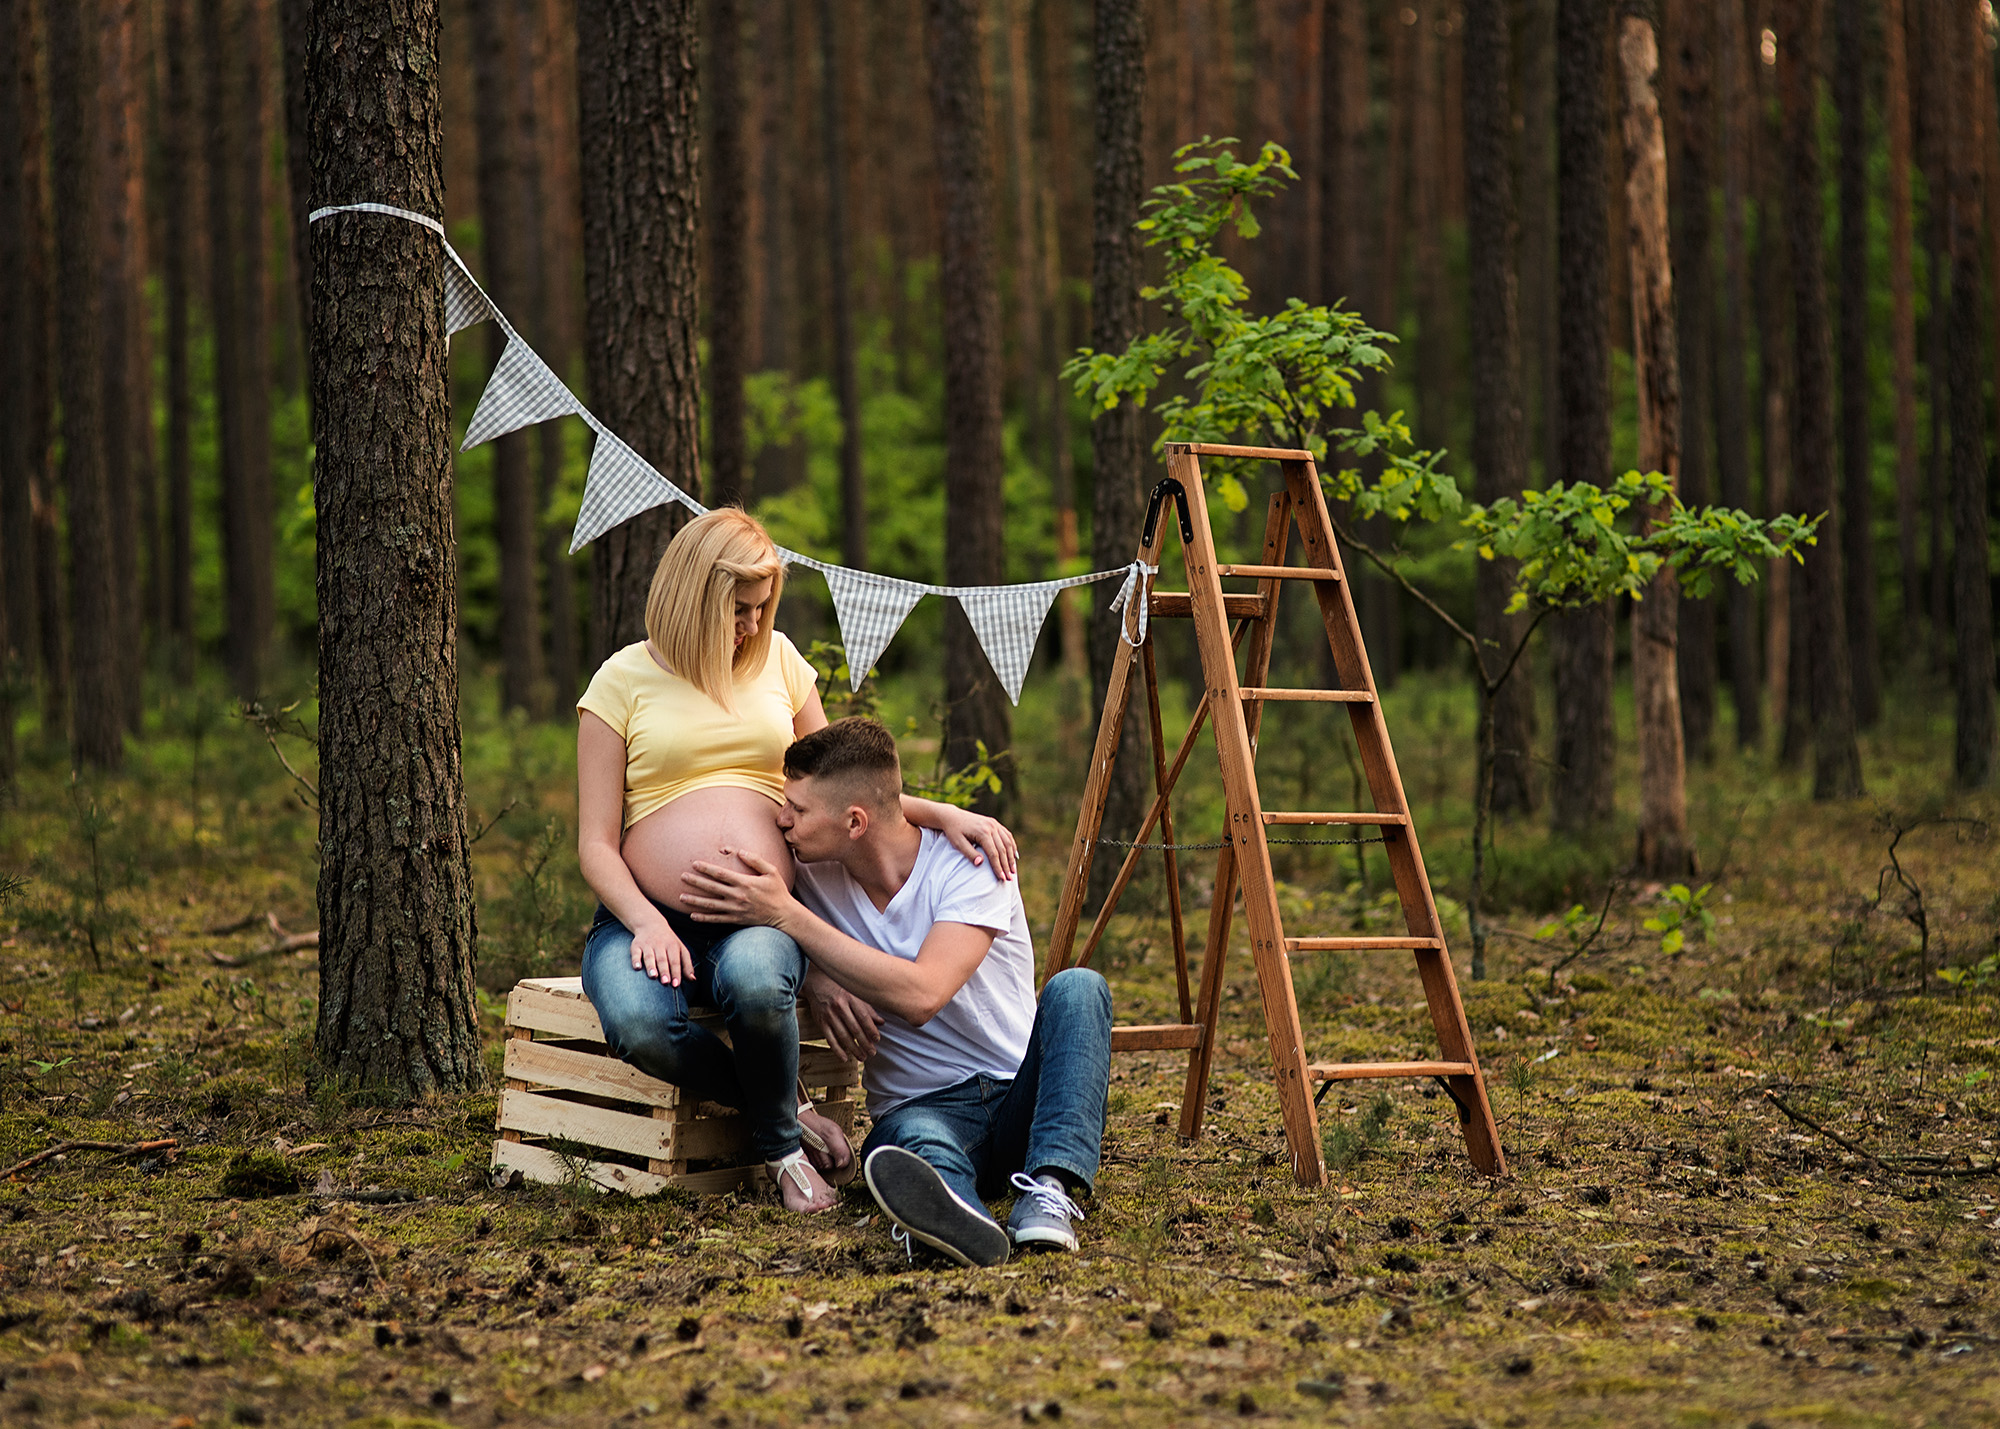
(680, 757)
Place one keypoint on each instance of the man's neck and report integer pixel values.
(882, 859)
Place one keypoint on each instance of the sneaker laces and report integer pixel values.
(1049, 1200)
(902, 1238)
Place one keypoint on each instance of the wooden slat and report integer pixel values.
(538, 1163)
(540, 1064)
(1222, 449)
(1152, 1037)
(1279, 573)
(1324, 697)
(1173, 605)
(824, 1067)
(1338, 817)
(558, 1007)
(535, 1115)
(1367, 1071)
(1358, 945)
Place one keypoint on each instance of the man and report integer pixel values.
(922, 967)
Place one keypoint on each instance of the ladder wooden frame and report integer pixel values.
(1235, 708)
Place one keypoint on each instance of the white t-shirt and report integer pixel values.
(984, 1028)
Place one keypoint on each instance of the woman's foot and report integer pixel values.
(800, 1185)
(826, 1145)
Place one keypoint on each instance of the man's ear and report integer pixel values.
(858, 820)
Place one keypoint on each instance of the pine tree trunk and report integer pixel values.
(1499, 423)
(1972, 591)
(97, 642)
(503, 219)
(1582, 797)
(1732, 338)
(727, 232)
(177, 227)
(1058, 173)
(397, 913)
(1903, 320)
(19, 359)
(976, 709)
(255, 509)
(1665, 850)
(1857, 446)
(1688, 193)
(641, 217)
(1116, 438)
(1932, 145)
(1836, 755)
(295, 26)
(1537, 65)
(846, 387)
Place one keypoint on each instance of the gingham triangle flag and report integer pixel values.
(521, 392)
(1007, 619)
(465, 303)
(621, 484)
(870, 610)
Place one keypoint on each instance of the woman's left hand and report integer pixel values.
(980, 838)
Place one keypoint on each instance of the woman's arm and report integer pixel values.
(600, 820)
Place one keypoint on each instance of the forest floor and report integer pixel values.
(1752, 1180)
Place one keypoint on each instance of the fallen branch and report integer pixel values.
(63, 1148)
(287, 943)
(248, 920)
(1888, 1167)
(312, 1244)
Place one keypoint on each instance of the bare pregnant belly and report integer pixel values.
(697, 827)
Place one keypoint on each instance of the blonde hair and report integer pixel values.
(691, 609)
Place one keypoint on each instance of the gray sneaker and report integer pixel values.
(1042, 1213)
(913, 1195)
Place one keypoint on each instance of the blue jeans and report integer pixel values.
(751, 976)
(1050, 1117)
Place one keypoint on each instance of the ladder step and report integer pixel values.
(1363, 1071)
(1359, 945)
(1280, 573)
(1223, 449)
(1337, 818)
(1177, 605)
(1156, 1036)
(1338, 697)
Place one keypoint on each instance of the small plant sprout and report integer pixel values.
(1681, 909)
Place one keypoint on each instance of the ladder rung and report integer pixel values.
(1363, 1071)
(1176, 605)
(1156, 1036)
(1358, 945)
(1338, 697)
(1280, 573)
(1338, 818)
(1218, 449)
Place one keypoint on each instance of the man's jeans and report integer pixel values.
(1050, 1117)
(751, 976)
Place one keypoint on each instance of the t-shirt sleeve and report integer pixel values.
(795, 670)
(609, 696)
(972, 895)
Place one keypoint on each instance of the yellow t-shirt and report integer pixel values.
(678, 740)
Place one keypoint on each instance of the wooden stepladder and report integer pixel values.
(1235, 707)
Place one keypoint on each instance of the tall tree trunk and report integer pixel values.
(254, 508)
(1836, 755)
(847, 391)
(727, 234)
(1058, 91)
(1499, 423)
(1903, 319)
(1582, 797)
(1117, 442)
(1665, 851)
(397, 911)
(20, 358)
(1972, 590)
(118, 312)
(976, 709)
(1857, 445)
(641, 210)
(1732, 337)
(503, 219)
(1784, 585)
(1537, 64)
(295, 27)
(1428, 180)
(177, 182)
(1688, 196)
(97, 643)
(38, 317)
(1933, 157)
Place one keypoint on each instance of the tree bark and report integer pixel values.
(1692, 38)
(1499, 423)
(1972, 591)
(636, 68)
(1732, 338)
(727, 260)
(976, 709)
(847, 391)
(20, 359)
(177, 209)
(1836, 755)
(97, 644)
(1582, 797)
(1665, 851)
(1537, 64)
(295, 26)
(1058, 92)
(504, 218)
(1857, 446)
(1116, 437)
(397, 912)
(1903, 320)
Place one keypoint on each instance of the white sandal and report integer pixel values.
(795, 1166)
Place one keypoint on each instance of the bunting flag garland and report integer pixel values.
(870, 608)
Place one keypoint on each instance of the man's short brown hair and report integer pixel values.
(858, 753)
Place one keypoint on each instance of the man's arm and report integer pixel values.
(915, 991)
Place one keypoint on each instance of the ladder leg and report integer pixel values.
(1194, 1098)
(1167, 835)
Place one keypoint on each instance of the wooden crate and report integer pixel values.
(642, 1134)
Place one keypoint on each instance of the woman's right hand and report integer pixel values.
(662, 955)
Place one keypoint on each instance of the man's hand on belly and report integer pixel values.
(752, 893)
